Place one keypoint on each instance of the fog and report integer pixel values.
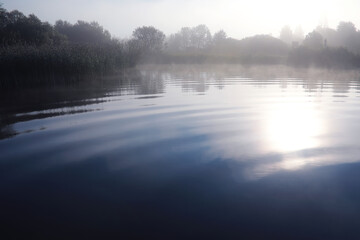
(238, 18)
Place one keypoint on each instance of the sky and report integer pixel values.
(239, 18)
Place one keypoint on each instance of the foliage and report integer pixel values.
(314, 41)
(83, 32)
(344, 36)
(33, 52)
(200, 37)
(149, 39)
(16, 28)
(263, 45)
(49, 64)
(196, 38)
(219, 37)
(325, 57)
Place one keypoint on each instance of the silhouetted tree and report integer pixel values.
(185, 37)
(346, 28)
(326, 57)
(180, 40)
(149, 39)
(314, 41)
(263, 45)
(330, 35)
(132, 52)
(219, 37)
(16, 28)
(195, 38)
(2, 16)
(348, 36)
(200, 37)
(83, 32)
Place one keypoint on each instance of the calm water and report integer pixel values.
(185, 152)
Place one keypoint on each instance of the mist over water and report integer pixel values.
(184, 151)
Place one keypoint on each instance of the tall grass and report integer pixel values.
(68, 63)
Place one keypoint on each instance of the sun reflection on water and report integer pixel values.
(292, 127)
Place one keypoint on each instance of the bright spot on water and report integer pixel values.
(292, 127)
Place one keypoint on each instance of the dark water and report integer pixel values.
(197, 152)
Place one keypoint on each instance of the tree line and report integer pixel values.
(322, 47)
(33, 52)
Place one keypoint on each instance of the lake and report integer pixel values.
(187, 151)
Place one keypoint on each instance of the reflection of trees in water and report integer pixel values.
(196, 81)
(31, 100)
(341, 86)
(7, 120)
(28, 104)
(152, 79)
(339, 81)
(196, 78)
(199, 78)
(150, 82)
(141, 81)
(357, 85)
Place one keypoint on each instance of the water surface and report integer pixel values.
(185, 152)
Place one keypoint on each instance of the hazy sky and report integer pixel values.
(238, 18)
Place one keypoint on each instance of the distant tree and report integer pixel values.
(200, 36)
(180, 40)
(330, 35)
(33, 31)
(15, 16)
(346, 28)
(2, 16)
(16, 28)
(219, 37)
(314, 41)
(173, 42)
(63, 27)
(132, 52)
(149, 38)
(185, 37)
(286, 35)
(348, 36)
(262, 45)
(83, 32)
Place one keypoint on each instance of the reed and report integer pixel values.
(33, 65)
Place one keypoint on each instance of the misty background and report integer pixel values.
(238, 19)
(35, 47)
